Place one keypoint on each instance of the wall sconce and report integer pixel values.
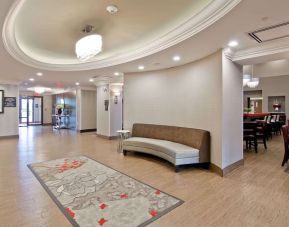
(116, 95)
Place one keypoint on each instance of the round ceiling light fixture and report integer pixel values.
(176, 58)
(88, 46)
(233, 43)
(112, 9)
(141, 67)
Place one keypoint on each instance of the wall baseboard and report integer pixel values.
(107, 137)
(216, 169)
(47, 124)
(9, 137)
(233, 166)
(87, 130)
(223, 172)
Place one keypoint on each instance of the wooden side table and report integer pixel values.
(122, 135)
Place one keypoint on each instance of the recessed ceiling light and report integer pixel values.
(233, 43)
(91, 80)
(112, 9)
(141, 67)
(177, 58)
(39, 74)
(31, 79)
(116, 74)
(77, 84)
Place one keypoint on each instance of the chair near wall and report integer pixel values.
(286, 144)
(250, 135)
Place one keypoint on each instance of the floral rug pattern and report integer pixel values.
(92, 194)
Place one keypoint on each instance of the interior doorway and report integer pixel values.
(30, 110)
(256, 105)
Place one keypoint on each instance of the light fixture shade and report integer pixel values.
(40, 90)
(254, 82)
(246, 79)
(88, 47)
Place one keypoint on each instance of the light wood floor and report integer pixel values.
(254, 195)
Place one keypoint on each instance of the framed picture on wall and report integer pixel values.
(9, 101)
(1, 101)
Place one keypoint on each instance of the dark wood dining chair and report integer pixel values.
(249, 135)
(286, 139)
(261, 133)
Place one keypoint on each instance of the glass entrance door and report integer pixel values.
(31, 110)
(23, 112)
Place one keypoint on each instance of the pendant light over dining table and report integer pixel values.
(250, 81)
(88, 46)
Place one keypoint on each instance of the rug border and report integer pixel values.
(73, 222)
(53, 197)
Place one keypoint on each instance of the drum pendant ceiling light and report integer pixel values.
(88, 46)
(253, 82)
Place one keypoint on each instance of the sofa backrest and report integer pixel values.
(196, 138)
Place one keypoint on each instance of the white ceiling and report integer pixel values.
(137, 23)
(247, 16)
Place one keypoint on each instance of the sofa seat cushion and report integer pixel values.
(172, 149)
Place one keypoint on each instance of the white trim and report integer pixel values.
(279, 46)
(215, 10)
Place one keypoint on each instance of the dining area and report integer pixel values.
(259, 129)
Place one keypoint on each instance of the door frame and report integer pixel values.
(20, 106)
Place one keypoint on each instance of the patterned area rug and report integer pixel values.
(92, 194)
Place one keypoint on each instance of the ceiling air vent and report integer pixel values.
(274, 32)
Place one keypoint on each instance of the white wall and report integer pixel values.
(103, 126)
(273, 86)
(188, 96)
(47, 109)
(86, 109)
(204, 94)
(115, 114)
(232, 102)
(9, 120)
(108, 122)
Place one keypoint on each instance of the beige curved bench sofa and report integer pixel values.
(178, 145)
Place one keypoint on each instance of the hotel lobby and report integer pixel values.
(144, 113)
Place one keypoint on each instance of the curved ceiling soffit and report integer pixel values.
(214, 11)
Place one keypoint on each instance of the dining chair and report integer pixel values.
(286, 145)
(261, 133)
(249, 135)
